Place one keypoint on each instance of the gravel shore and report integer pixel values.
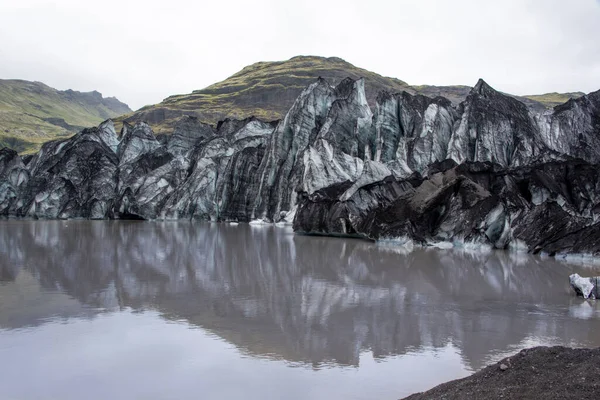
(536, 373)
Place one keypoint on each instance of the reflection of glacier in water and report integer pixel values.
(303, 299)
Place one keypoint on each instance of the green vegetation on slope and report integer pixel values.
(266, 90)
(32, 113)
(554, 99)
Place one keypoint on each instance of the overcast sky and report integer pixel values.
(144, 51)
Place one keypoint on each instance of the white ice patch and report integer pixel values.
(581, 285)
(429, 120)
(518, 246)
(253, 128)
(162, 183)
(579, 258)
(372, 172)
(472, 246)
(441, 245)
(259, 222)
(41, 197)
(494, 214)
(60, 147)
(325, 167)
(287, 217)
(402, 244)
(399, 169)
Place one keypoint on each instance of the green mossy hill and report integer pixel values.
(554, 99)
(266, 90)
(32, 113)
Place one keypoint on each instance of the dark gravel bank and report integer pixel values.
(536, 373)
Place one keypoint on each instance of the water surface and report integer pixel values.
(115, 309)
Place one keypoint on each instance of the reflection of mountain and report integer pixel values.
(308, 299)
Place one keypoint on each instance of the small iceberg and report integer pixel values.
(441, 245)
(586, 287)
(401, 244)
(259, 222)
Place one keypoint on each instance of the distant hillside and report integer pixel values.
(268, 89)
(554, 99)
(32, 113)
(458, 93)
(265, 89)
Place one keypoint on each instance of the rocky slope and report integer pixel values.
(32, 113)
(268, 89)
(489, 171)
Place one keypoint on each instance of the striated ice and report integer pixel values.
(489, 172)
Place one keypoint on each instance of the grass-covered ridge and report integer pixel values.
(268, 89)
(32, 113)
(264, 89)
(554, 99)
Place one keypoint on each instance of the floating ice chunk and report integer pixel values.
(287, 217)
(518, 246)
(441, 245)
(472, 246)
(403, 244)
(582, 286)
(258, 222)
(579, 258)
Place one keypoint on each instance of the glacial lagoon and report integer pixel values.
(156, 310)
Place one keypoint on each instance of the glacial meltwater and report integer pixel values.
(182, 310)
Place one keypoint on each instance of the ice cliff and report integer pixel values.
(488, 171)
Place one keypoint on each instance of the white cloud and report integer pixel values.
(144, 51)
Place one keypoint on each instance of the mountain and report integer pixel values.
(488, 172)
(32, 113)
(267, 90)
(554, 99)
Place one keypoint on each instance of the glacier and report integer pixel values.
(489, 171)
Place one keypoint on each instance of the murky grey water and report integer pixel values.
(127, 310)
